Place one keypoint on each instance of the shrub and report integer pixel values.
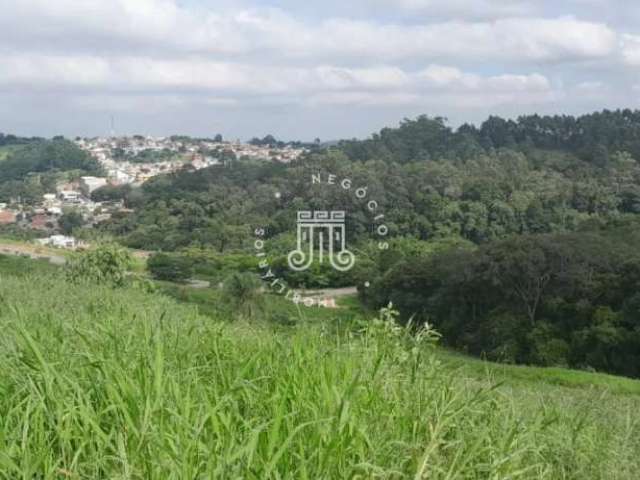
(243, 292)
(108, 264)
(173, 268)
(71, 220)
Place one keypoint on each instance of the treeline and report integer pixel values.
(592, 138)
(9, 139)
(270, 141)
(557, 299)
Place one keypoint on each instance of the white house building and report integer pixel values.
(90, 184)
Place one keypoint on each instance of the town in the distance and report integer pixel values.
(131, 160)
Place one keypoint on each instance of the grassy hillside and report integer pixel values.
(104, 383)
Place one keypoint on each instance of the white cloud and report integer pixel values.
(126, 103)
(131, 76)
(161, 27)
(441, 75)
(593, 86)
(363, 98)
(189, 74)
(631, 49)
(517, 83)
(514, 39)
(592, 91)
(377, 77)
(466, 9)
(171, 55)
(149, 103)
(452, 78)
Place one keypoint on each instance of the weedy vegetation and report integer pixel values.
(101, 382)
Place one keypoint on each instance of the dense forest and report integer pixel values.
(570, 299)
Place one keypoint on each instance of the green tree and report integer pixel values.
(170, 267)
(70, 220)
(107, 264)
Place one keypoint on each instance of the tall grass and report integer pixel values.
(120, 384)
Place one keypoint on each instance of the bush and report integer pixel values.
(110, 193)
(173, 268)
(108, 264)
(243, 292)
(71, 220)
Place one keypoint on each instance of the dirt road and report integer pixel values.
(34, 252)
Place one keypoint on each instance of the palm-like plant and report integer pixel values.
(243, 292)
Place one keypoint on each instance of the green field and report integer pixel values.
(97, 382)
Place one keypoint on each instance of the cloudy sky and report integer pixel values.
(306, 69)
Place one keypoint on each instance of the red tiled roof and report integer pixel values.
(7, 217)
(39, 222)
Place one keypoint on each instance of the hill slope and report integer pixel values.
(104, 383)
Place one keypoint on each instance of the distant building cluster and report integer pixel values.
(45, 216)
(134, 160)
(128, 161)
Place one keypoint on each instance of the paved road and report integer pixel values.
(199, 284)
(328, 292)
(325, 297)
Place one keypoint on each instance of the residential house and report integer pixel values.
(70, 197)
(42, 222)
(89, 184)
(59, 241)
(7, 217)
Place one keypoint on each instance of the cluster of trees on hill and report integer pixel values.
(10, 139)
(592, 137)
(33, 169)
(271, 141)
(554, 299)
